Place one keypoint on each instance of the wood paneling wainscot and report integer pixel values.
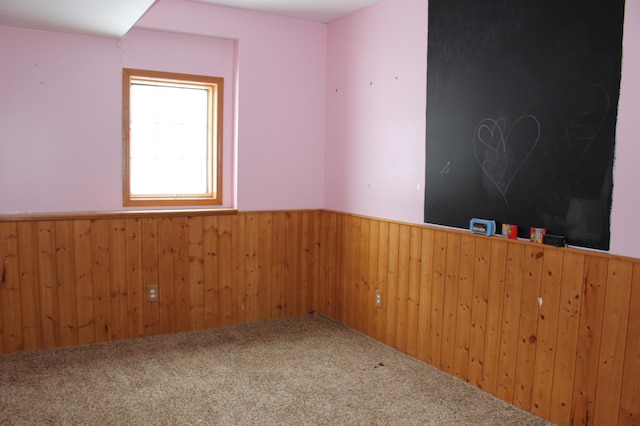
(555, 331)
(78, 279)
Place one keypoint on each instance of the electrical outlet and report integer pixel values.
(152, 293)
(379, 298)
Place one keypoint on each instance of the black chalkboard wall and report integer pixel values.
(522, 101)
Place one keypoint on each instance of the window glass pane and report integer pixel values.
(169, 140)
(195, 108)
(143, 104)
(192, 178)
(194, 141)
(169, 105)
(145, 145)
(144, 175)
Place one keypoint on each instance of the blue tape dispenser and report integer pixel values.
(482, 226)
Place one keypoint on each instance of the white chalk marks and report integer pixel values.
(588, 112)
(564, 135)
(501, 152)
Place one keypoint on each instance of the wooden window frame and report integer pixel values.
(215, 116)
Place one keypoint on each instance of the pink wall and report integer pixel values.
(625, 235)
(375, 143)
(60, 106)
(376, 102)
(59, 145)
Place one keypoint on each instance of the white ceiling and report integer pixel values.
(113, 18)
(312, 10)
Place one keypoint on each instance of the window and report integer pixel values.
(172, 139)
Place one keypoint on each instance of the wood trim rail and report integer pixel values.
(124, 214)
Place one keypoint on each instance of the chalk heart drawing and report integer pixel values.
(502, 152)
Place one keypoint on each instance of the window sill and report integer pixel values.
(124, 214)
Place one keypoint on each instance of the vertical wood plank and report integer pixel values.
(353, 307)
(65, 280)
(528, 327)
(101, 278)
(589, 340)
(426, 275)
(464, 303)
(210, 269)
(295, 281)
(231, 290)
(149, 231)
(392, 285)
(495, 302)
(402, 296)
(309, 270)
(413, 301)
(278, 307)
(29, 291)
(328, 259)
(10, 297)
(567, 339)
(324, 282)
(550, 287)
(195, 283)
(224, 278)
(339, 289)
(118, 303)
(449, 311)
(335, 291)
(630, 397)
(510, 322)
(382, 280)
(135, 288)
(351, 244)
(437, 298)
(2, 249)
(230, 293)
(374, 312)
(181, 272)
(614, 339)
(83, 262)
(252, 266)
(315, 252)
(47, 284)
(363, 276)
(239, 261)
(327, 262)
(480, 299)
(265, 262)
(166, 287)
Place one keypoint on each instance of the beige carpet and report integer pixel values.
(300, 371)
